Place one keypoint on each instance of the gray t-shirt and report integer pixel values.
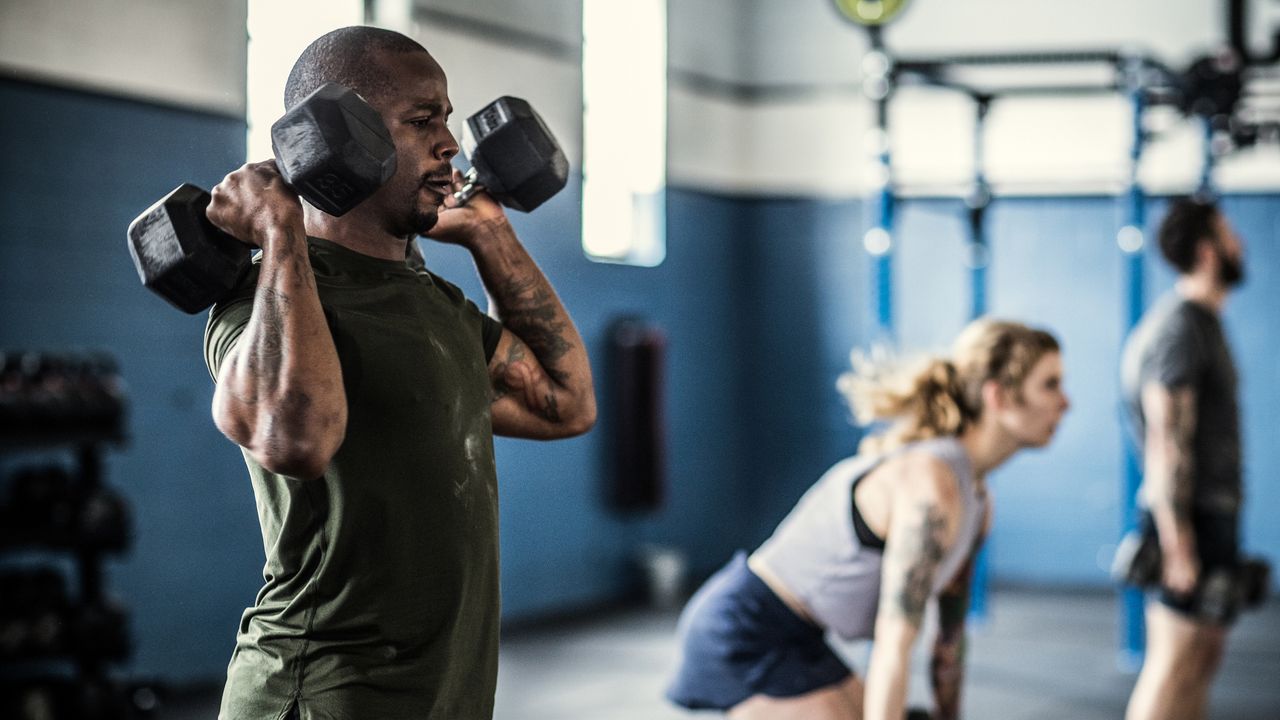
(1181, 344)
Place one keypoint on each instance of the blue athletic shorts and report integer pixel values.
(738, 639)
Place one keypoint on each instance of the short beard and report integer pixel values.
(413, 224)
(414, 221)
(1230, 270)
(423, 221)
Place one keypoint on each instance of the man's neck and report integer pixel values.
(353, 234)
(1202, 290)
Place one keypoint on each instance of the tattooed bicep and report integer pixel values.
(509, 351)
(1182, 415)
(1170, 410)
(916, 545)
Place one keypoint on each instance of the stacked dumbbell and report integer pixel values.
(39, 620)
(56, 698)
(57, 637)
(57, 396)
(46, 506)
(1227, 591)
(334, 151)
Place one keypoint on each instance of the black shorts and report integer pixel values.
(738, 639)
(1217, 548)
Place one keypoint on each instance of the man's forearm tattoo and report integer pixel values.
(293, 407)
(265, 356)
(1182, 423)
(530, 311)
(551, 407)
(502, 387)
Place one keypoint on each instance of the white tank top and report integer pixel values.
(816, 553)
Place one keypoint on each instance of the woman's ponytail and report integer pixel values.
(921, 401)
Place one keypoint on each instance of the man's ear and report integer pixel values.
(1206, 253)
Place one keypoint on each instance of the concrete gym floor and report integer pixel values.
(1041, 655)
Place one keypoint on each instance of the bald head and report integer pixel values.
(347, 56)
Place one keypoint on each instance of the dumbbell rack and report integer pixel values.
(56, 646)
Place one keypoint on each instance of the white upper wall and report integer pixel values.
(184, 52)
(1054, 145)
(764, 94)
(815, 43)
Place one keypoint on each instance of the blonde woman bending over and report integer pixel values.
(874, 540)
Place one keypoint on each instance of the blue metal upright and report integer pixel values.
(878, 240)
(979, 250)
(978, 256)
(1130, 240)
(881, 246)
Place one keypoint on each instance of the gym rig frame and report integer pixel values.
(1215, 90)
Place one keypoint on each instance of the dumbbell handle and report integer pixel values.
(470, 186)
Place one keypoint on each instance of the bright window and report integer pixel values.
(279, 30)
(624, 130)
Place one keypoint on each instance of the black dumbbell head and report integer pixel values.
(102, 522)
(32, 589)
(515, 155)
(180, 255)
(1255, 581)
(333, 149)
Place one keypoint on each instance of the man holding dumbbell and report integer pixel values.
(365, 394)
(1180, 384)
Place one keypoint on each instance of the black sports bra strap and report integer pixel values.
(866, 536)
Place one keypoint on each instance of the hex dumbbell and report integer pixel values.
(1227, 591)
(332, 149)
(513, 156)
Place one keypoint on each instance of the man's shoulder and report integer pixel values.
(1170, 319)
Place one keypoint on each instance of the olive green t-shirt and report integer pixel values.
(381, 580)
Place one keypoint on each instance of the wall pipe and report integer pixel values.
(878, 240)
(1130, 240)
(978, 257)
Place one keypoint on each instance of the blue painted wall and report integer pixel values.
(79, 167)
(761, 300)
(805, 273)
